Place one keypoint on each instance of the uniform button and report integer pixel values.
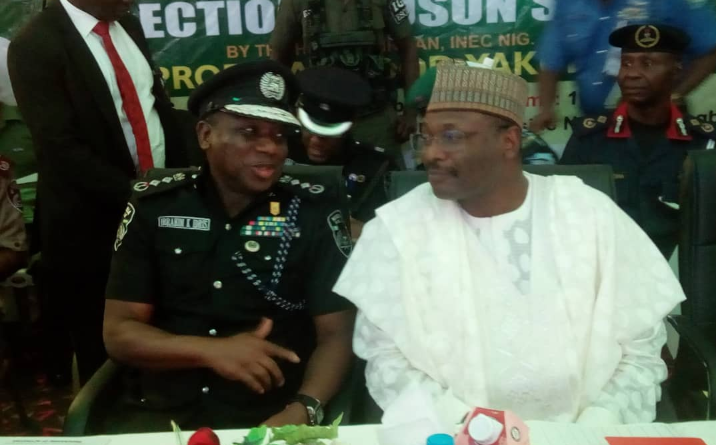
(143, 400)
(194, 176)
(218, 284)
(205, 390)
(267, 258)
(212, 332)
(227, 227)
(178, 250)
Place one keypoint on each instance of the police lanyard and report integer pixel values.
(269, 292)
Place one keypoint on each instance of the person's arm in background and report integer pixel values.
(37, 73)
(13, 238)
(408, 52)
(547, 116)
(286, 34)
(553, 61)
(697, 72)
(700, 22)
(399, 28)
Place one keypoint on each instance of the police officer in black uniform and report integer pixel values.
(219, 301)
(647, 138)
(327, 105)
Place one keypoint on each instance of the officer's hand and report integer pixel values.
(547, 118)
(250, 358)
(406, 125)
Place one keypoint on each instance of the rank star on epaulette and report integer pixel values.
(312, 188)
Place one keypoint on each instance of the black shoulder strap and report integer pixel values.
(582, 126)
(162, 180)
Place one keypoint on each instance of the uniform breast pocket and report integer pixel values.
(184, 269)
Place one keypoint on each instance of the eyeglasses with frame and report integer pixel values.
(451, 140)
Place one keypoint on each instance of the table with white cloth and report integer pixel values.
(541, 433)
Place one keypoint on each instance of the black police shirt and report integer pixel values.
(210, 275)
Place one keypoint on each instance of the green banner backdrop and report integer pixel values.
(192, 40)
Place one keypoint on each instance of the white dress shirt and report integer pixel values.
(6, 95)
(139, 71)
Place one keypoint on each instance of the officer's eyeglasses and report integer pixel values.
(449, 140)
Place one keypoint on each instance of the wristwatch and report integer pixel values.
(313, 408)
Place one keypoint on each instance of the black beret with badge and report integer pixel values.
(263, 89)
(329, 99)
(650, 38)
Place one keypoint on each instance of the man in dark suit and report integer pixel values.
(84, 81)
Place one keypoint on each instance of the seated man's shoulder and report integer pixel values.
(164, 181)
(591, 125)
(573, 193)
(36, 31)
(699, 127)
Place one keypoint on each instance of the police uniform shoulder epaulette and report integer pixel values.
(582, 126)
(5, 164)
(699, 126)
(302, 187)
(164, 179)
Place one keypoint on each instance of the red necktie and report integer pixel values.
(130, 101)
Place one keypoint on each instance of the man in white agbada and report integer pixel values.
(492, 287)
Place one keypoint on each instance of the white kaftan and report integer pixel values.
(554, 311)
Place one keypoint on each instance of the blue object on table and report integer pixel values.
(440, 439)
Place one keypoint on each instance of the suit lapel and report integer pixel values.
(86, 65)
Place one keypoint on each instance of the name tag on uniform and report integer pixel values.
(185, 222)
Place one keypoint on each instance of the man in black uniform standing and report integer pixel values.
(647, 138)
(219, 301)
(330, 98)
